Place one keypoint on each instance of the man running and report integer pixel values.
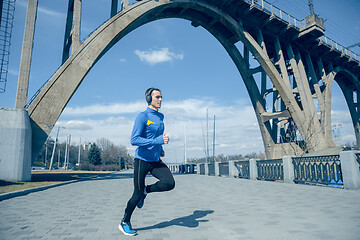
(148, 135)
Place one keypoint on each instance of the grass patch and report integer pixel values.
(39, 179)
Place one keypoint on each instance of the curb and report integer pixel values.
(9, 195)
(24, 192)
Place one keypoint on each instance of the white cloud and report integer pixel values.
(153, 57)
(50, 12)
(237, 130)
(344, 127)
(98, 109)
(75, 124)
(236, 126)
(43, 10)
(13, 72)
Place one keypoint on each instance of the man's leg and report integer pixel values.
(166, 180)
(141, 168)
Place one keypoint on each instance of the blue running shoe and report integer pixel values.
(141, 202)
(127, 229)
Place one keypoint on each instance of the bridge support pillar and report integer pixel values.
(15, 145)
(288, 169)
(233, 172)
(350, 170)
(206, 169)
(217, 171)
(253, 169)
(26, 55)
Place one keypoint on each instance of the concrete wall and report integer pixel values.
(15, 145)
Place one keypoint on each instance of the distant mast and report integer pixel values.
(185, 155)
(79, 154)
(214, 141)
(311, 7)
(207, 135)
(203, 134)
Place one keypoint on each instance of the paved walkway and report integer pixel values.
(200, 207)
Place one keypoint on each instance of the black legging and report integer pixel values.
(141, 169)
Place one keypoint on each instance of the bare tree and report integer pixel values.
(298, 144)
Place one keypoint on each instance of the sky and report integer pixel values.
(194, 72)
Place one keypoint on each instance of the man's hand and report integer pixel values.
(166, 138)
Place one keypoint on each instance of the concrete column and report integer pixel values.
(328, 80)
(233, 172)
(309, 126)
(15, 145)
(253, 169)
(114, 7)
(206, 169)
(288, 169)
(198, 168)
(282, 63)
(217, 171)
(75, 32)
(26, 55)
(350, 170)
(124, 4)
(261, 41)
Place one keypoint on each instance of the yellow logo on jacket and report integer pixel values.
(149, 122)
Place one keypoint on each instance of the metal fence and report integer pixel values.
(270, 169)
(187, 168)
(211, 168)
(224, 169)
(202, 169)
(243, 168)
(318, 170)
(357, 155)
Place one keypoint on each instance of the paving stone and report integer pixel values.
(200, 207)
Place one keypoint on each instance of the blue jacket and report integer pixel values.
(147, 134)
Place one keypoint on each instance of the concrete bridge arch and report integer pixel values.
(350, 86)
(227, 30)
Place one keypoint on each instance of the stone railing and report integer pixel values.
(341, 170)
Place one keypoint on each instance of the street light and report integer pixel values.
(53, 153)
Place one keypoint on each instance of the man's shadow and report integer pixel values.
(190, 221)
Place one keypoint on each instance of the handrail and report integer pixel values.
(284, 16)
(275, 11)
(334, 45)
